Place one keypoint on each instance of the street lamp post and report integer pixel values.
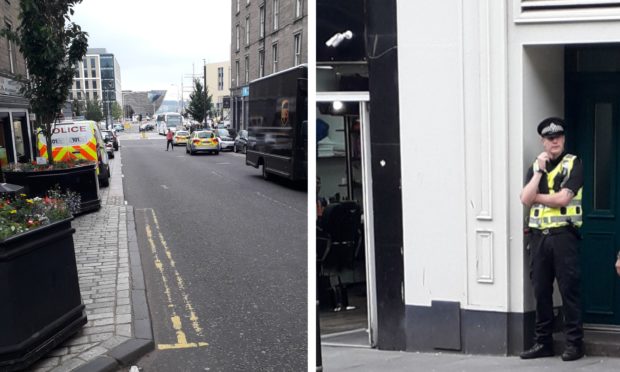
(204, 61)
(108, 119)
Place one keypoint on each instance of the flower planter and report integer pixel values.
(81, 179)
(40, 301)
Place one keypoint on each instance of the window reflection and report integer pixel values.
(18, 134)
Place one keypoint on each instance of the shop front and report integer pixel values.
(15, 128)
(238, 103)
(359, 225)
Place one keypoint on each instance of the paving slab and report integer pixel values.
(338, 358)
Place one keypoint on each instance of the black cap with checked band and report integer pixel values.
(551, 127)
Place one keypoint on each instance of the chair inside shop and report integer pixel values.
(338, 239)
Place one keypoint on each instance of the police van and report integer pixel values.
(78, 140)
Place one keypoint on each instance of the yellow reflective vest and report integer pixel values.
(543, 217)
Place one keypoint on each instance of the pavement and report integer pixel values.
(112, 287)
(360, 359)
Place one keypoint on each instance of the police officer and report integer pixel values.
(553, 193)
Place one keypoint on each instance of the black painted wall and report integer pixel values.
(336, 16)
(381, 41)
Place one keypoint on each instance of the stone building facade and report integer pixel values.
(15, 139)
(267, 36)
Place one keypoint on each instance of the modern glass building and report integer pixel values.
(98, 77)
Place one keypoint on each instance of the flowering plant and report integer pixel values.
(34, 167)
(21, 214)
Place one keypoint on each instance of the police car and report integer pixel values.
(73, 140)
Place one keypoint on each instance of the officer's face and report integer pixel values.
(554, 146)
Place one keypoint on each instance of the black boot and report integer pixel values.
(538, 351)
(572, 352)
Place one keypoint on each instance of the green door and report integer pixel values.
(593, 117)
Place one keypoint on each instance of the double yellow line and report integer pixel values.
(178, 284)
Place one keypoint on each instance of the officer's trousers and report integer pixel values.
(556, 255)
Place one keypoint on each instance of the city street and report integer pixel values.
(224, 254)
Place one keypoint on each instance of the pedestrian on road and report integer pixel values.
(553, 194)
(169, 136)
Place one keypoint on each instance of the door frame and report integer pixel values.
(587, 82)
(363, 98)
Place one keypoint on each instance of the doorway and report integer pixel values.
(345, 241)
(593, 116)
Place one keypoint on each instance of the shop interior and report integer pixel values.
(341, 261)
(14, 140)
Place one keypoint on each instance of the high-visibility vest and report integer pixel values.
(63, 149)
(87, 151)
(543, 217)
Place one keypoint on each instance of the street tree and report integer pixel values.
(199, 102)
(117, 111)
(78, 107)
(52, 46)
(93, 110)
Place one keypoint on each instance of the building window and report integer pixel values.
(70, 96)
(237, 81)
(298, 8)
(78, 85)
(79, 94)
(93, 73)
(95, 95)
(86, 84)
(94, 84)
(220, 78)
(10, 48)
(92, 62)
(77, 72)
(87, 96)
(261, 31)
(297, 43)
(247, 69)
(274, 53)
(237, 36)
(261, 63)
(276, 13)
(247, 31)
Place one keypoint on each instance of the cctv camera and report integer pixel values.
(332, 40)
(335, 40)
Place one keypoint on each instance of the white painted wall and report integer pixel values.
(486, 154)
(430, 53)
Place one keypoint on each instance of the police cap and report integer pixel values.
(551, 127)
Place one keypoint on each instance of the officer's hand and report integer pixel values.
(618, 266)
(542, 159)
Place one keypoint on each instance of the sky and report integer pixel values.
(158, 43)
